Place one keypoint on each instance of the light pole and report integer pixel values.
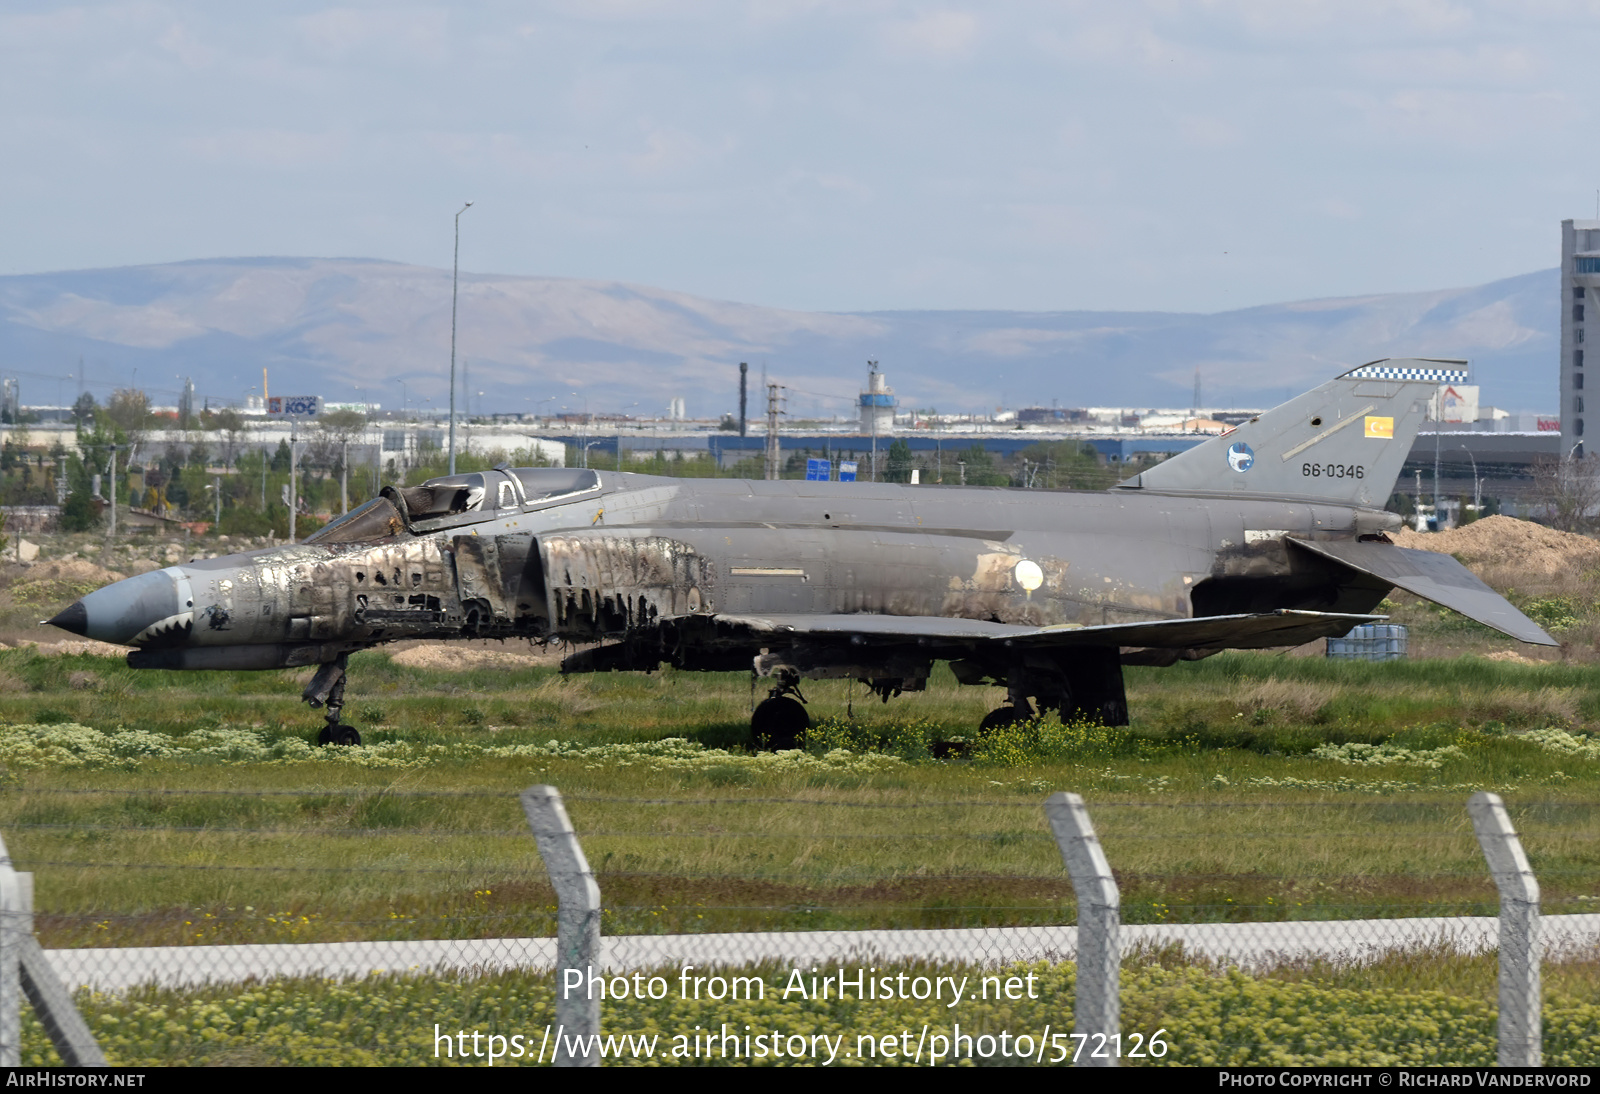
(455, 278)
(1477, 484)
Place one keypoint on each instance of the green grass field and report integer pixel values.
(173, 809)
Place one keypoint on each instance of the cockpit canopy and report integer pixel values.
(540, 484)
(456, 499)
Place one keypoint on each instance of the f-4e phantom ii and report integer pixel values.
(1273, 534)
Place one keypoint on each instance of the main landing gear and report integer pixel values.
(1019, 686)
(778, 721)
(326, 689)
(1008, 715)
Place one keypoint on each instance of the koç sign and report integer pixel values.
(294, 406)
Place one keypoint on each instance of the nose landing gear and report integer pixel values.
(326, 689)
(778, 721)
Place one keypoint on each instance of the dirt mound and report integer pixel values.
(75, 571)
(1505, 541)
(1514, 658)
(442, 657)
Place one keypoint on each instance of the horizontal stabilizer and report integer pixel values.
(1213, 632)
(1436, 577)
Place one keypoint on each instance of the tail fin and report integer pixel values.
(1343, 442)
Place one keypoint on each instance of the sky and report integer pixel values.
(813, 155)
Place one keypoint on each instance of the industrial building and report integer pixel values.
(1580, 277)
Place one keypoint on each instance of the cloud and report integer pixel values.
(1120, 40)
(803, 185)
(272, 148)
(1465, 118)
(1313, 20)
(671, 151)
(178, 41)
(1337, 208)
(416, 34)
(1208, 132)
(940, 35)
(1475, 66)
(37, 30)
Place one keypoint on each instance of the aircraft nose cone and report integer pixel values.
(154, 609)
(74, 619)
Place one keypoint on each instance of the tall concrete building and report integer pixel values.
(1580, 294)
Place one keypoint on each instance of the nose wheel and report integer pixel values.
(326, 689)
(336, 734)
(779, 721)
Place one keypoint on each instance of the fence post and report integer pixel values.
(1521, 1020)
(11, 929)
(577, 925)
(51, 1000)
(1097, 1010)
(24, 969)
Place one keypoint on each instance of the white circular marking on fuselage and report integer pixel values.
(1028, 574)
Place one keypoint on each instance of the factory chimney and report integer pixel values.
(744, 380)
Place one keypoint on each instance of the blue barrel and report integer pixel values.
(1371, 642)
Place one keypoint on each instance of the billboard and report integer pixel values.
(294, 406)
(1454, 403)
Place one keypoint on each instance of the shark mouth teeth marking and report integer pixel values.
(174, 630)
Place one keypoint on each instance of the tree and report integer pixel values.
(1567, 491)
(228, 422)
(980, 469)
(80, 514)
(83, 410)
(130, 410)
(900, 462)
(1070, 465)
(342, 425)
(336, 430)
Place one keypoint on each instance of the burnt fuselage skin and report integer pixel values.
(657, 567)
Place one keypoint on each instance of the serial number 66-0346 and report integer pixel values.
(1333, 471)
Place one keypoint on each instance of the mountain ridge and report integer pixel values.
(352, 328)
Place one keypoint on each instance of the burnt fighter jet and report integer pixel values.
(1273, 534)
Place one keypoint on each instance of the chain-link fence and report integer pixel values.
(373, 926)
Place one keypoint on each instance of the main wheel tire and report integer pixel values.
(345, 735)
(326, 736)
(778, 723)
(1004, 716)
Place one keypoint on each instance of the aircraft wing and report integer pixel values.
(1436, 577)
(1280, 628)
